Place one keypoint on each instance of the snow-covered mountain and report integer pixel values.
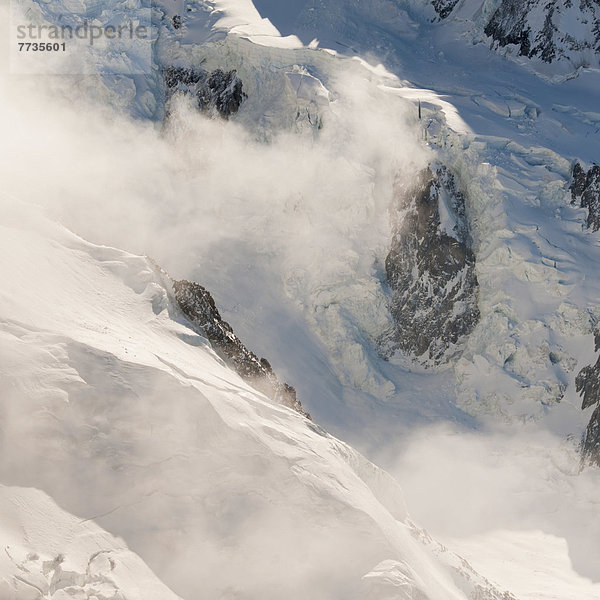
(128, 419)
(544, 31)
(551, 31)
(396, 203)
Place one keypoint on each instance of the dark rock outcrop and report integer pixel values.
(588, 385)
(220, 91)
(508, 25)
(444, 7)
(200, 309)
(591, 443)
(585, 190)
(431, 269)
(518, 22)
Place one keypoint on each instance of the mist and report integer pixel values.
(262, 224)
(465, 485)
(174, 190)
(292, 228)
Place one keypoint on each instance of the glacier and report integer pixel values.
(283, 213)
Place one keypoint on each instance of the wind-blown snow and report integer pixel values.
(289, 234)
(126, 417)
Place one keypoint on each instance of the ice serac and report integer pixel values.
(550, 30)
(588, 385)
(218, 90)
(585, 190)
(431, 268)
(200, 309)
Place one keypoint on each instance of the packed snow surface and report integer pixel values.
(48, 553)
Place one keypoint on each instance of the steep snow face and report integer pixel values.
(141, 428)
(48, 553)
(338, 23)
(543, 31)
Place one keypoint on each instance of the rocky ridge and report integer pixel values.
(199, 308)
(444, 7)
(585, 190)
(431, 269)
(588, 385)
(219, 91)
(547, 30)
(518, 23)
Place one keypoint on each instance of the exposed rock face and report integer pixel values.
(585, 189)
(220, 91)
(444, 7)
(591, 444)
(431, 269)
(588, 385)
(199, 308)
(547, 29)
(508, 25)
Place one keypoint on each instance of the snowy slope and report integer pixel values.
(127, 418)
(48, 553)
(291, 236)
